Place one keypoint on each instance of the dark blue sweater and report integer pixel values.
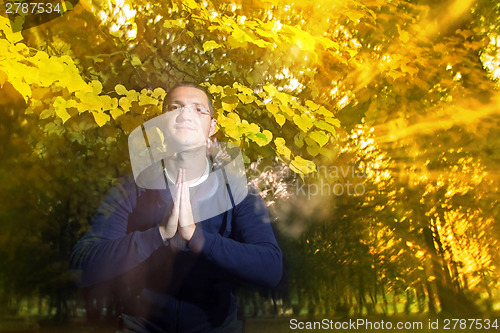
(177, 286)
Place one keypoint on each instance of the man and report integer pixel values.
(160, 249)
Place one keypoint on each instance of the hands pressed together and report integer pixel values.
(181, 218)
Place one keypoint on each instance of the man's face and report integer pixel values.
(187, 128)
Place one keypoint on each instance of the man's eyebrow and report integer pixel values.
(180, 102)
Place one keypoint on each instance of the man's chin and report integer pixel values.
(187, 146)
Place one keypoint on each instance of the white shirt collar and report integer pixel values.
(199, 181)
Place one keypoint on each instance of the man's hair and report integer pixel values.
(192, 85)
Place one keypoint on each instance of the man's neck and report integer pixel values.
(194, 162)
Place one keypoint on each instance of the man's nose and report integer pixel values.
(186, 113)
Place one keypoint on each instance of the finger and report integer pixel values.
(186, 215)
(177, 201)
(179, 176)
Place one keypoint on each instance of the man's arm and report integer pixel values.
(253, 255)
(107, 250)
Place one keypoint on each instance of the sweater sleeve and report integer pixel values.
(107, 250)
(252, 253)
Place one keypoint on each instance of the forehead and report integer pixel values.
(188, 95)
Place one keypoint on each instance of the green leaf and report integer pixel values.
(261, 139)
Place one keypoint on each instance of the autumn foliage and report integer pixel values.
(406, 91)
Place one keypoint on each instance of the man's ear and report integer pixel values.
(213, 127)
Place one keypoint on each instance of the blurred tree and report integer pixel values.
(284, 76)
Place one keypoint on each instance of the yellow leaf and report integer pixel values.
(270, 89)
(60, 108)
(298, 139)
(158, 93)
(124, 103)
(320, 137)
(302, 166)
(233, 131)
(96, 87)
(46, 113)
(101, 118)
(273, 108)
(311, 105)
(334, 121)
(282, 148)
(289, 112)
(303, 39)
(260, 43)
(22, 87)
(228, 106)
(313, 150)
(325, 126)
(268, 134)
(147, 100)
(233, 116)
(280, 119)
(283, 98)
(264, 33)
(115, 113)
(215, 89)
(3, 78)
(323, 111)
(5, 26)
(240, 35)
(210, 45)
(120, 89)
(328, 43)
(303, 122)
(245, 90)
(174, 23)
(191, 4)
(133, 95)
(135, 61)
(404, 36)
(246, 98)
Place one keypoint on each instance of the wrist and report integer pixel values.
(165, 235)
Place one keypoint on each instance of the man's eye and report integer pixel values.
(172, 107)
(201, 109)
